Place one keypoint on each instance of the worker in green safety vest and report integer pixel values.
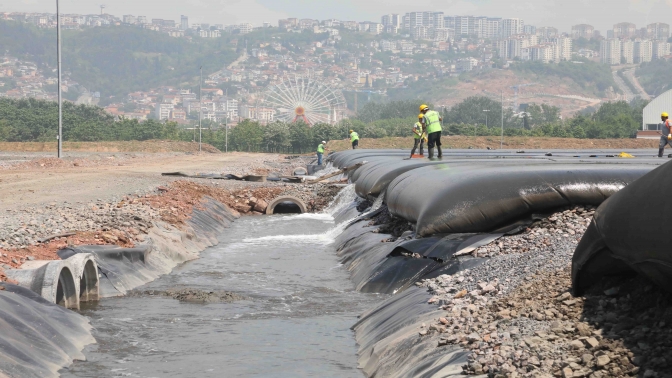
(419, 135)
(354, 138)
(320, 152)
(433, 128)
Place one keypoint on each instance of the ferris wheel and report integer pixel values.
(298, 98)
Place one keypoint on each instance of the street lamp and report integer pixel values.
(486, 118)
(60, 103)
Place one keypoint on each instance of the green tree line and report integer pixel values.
(29, 120)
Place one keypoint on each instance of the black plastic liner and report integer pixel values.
(628, 234)
(389, 344)
(38, 338)
(445, 199)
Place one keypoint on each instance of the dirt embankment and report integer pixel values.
(36, 231)
(148, 146)
(483, 142)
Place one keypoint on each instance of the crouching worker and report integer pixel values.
(419, 135)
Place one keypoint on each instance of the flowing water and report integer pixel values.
(294, 321)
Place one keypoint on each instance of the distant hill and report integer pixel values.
(120, 59)
(655, 77)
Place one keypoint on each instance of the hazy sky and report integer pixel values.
(558, 13)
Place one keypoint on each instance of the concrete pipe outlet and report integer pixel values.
(63, 282)
(286, 205)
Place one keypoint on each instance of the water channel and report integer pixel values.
(294, 321)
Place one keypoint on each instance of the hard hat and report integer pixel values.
(323, 142)
(664, 114)
(423, 107)
(352, 131)
(421, 116)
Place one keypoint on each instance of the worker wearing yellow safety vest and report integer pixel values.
(320, 152)
(419, 135)
(354, 138)
(666, 134)
(433, 129)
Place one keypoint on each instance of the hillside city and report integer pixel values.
(364, 58)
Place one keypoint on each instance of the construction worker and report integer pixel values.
(665, 128)
(354, 138)
(433, 129)
(419, 135)
(320, 152)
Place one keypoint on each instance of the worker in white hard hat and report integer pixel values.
(665, 128)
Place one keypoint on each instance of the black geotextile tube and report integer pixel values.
(38, 337)
(373, 178)
(450, 199)
(628, 233)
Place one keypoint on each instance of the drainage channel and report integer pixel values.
(294, 319)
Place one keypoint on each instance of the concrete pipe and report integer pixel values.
(300, 171)
(53, 280)
(85, 272)
(286, 205)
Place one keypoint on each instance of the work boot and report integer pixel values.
(431, 153)
(440, 152)
(660, 152)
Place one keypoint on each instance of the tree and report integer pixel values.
(247, 136)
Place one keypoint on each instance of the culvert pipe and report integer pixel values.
(287, 202)
(86, 277)
(53, 280)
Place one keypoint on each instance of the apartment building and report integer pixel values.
(583, 31)
(658, 31)
(643, 51)
(624, 30)
(394, 20)
(660, 49)
(547, 32)
(627, 51)
(610, 51)
(163, 111)
(511, 27)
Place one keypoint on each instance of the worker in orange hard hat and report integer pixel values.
(665, 129)
(419, 135)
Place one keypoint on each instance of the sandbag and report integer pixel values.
(450, 199)
(628, 234)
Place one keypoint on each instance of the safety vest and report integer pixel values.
(320, 149)
(417, 130)
(354, 137)
(432, 121)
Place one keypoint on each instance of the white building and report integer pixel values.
(651, 113)
(163, 111)
(610, 51)
(643, 51)
(512, 26)
(627, 52)
(660, 49)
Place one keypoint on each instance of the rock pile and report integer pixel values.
(517, 317)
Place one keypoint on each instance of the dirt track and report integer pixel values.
(41, 185)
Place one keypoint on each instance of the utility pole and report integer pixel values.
(501, 140)
(226, 143)
(200, 109)
(60, 102)
(486, 118)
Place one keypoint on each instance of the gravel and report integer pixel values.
(516, 315)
